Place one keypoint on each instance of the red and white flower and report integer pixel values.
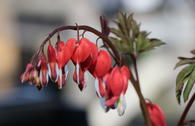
(80, 59)
(63, 55)
(43, 75)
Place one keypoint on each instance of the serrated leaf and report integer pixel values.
(182, 77)
(120, 45)
(156, 42)
(184, 61)
(141, 43)
(133, 40)
(153, 43)
(189, 86)
(117, 32)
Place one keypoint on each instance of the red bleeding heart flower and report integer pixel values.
(25, 76)
(71, 45)
(63, 55)
(115, 84)
(156, 115)
(113, 88)
(86, 65)
(100, 68)
(52, 63)
(43, 70)
(103, 64)
(31, 75)
(80, 55)
(89, 63)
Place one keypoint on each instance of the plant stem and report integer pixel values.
(186, 110)
(134, 60)
(136, 85)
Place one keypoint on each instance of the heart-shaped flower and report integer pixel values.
(103, 64)
(52, 63)
(81, 58)
(43, 70)
(63, 55)
(112, 88)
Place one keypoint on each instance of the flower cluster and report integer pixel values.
(110, 82)
(156, 114)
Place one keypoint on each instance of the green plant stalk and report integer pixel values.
(116, 57)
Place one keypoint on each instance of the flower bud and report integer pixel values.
(156, 115)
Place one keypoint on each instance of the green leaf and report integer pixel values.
(141, 43)
(182, 77)
(130, 37)
(120, 45)
(185, 61)
(145, 44)
(183, 73)
(117, 32)
(189, 86)
(156, 42)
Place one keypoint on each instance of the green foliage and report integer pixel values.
(185, 78)
(129, 38)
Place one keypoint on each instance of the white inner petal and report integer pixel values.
(60, 75)
(66, 71)
(57, 72)
(77, 72)
(102, 103)
(97, 87)
(49, 70)
(121, 105)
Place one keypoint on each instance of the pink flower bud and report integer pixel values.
(25, 76)
(156, 115)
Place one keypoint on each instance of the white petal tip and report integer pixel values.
(97, 87)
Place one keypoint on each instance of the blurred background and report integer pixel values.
(24, 24)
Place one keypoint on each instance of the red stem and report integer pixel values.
(81, 27)
(186, 110)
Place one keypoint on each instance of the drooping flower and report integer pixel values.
(100, 68)
(63, 55)
(113, 89)
(31, 75)
(156, 115)
(25, 76)
(88, 64)
(43, 75)
(36, 79)
(103, 64)
(116, 83)
(80, 56)
(52, 63)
